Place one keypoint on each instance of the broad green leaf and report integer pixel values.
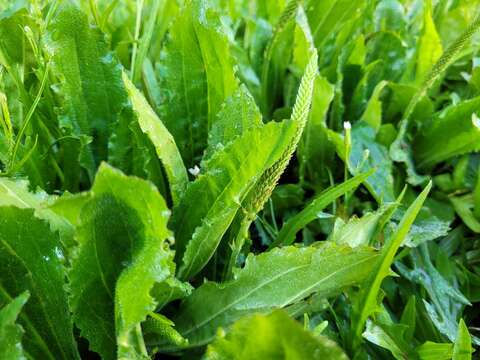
(462, 349)
(365, 303)
(435, 351)
(275, 279)
(277, 336)
(211, 202)
(11, 333)
(163, 141)
(454, 131)
(89, 86)
(122, 254)
(31, 259)
(238, 114)
(197, 76)
(367, 154)
(286, 236)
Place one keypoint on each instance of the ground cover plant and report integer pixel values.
(233, 179)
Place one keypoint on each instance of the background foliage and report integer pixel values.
(230, 179)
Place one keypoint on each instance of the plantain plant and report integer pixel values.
(213, 179)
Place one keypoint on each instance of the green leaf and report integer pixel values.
(400, 149)
(357, 95)
(277, 58)
(388, 336)
(365, 303)
(169, 290)
(315, 150)
(325, 17)
(427, 226)
(31, 259)
(462, 349)
(133, 152)
(238, 114)
(367, 154)
(122, 254)
(11, 333)
(275, 279)
(443, 301)
(90, 87)
(197, 75)
(163, 141)
(211, 202)
(389, 47)
(260, 193)
(373, 112)
(464, 206)
(11, 35)
(357, 231)
(435, 351)
(277, 336)
(286, 236)
(454, 131)
(16, 193)
(429, 47)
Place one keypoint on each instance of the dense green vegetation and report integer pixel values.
(234, 179)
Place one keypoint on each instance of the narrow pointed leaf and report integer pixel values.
(462, 349)
(163, 141)
(366, 302)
